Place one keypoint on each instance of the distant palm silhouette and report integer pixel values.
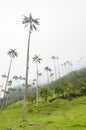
(37, 60)
(4, 77)
(54, 58)
(12, 53)
(48, 70)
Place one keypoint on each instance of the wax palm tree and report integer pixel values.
(68, 66)
(66, 70)
(15, 78)
(34, 80)
(39, 75)
(12, 53)
(54, 58)
(57, 58)
(63, 72)
(9, 84)
(51, 75)
(37, 60)
(31, 21)
(48, 70)
(79, 64)
(4, 77)
(82, 61)
(20, 79)
(21, 90)
(71, 68)
(65, 67)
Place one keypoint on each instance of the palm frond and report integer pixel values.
(26, 20)
(36, 59)
(34, 27)
(47, 68)
(26, 25)
(12, 53)
(36, 21)
(53, 57)
(39, 59)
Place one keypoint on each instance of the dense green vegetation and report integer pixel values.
(71, 85)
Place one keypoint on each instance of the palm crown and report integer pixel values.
(12, 53)
(31, 20)
(47, 68)
(36, 58)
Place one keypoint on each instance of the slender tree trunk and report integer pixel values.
(55, 69)
(26, 78)
(7, 80)
(48, 85)
(37, 88)
(6, 101)
(48, 79)
(63, 72)
(59, 72)
(2, 87)
(58, 69)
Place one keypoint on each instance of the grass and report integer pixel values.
(58, 115)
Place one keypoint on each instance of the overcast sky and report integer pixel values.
(62, 33)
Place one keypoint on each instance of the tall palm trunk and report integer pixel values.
(55, 70)
(37, 88)
(47, 84)
(2, 87)
(58, 69)
(26, 78)
(7, 80)
(48, 79)
(59, 75)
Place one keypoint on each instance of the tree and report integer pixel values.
(58, 67)
(39, 75)
(82, 63)
(48, 70)
(53, 57)
(51, 75)
(15, 79)
(44, 93)
(37, 60)
(10, 83)
(4, 77)
(7, 92)
(34, 82)
(12, 53)
(31, 21)
(59, 74)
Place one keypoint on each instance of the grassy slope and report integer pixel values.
(58, 115)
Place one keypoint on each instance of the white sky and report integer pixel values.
(62, 33)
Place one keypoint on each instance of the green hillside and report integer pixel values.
(71, 85)
(62, 107)
(61, 114)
